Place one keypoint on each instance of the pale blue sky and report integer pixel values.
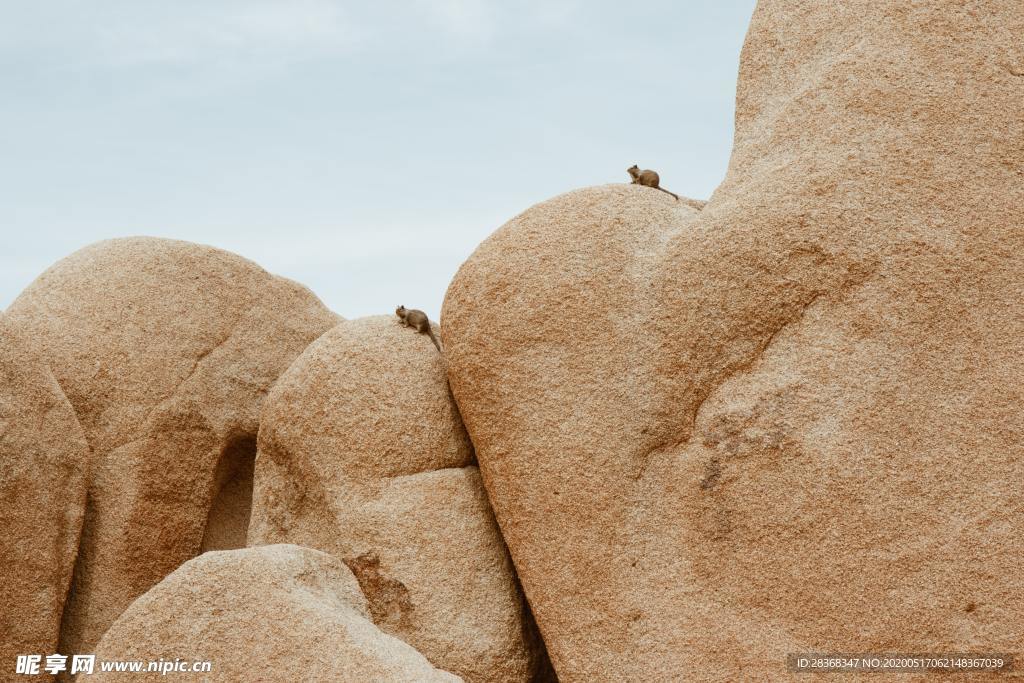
(361, 148)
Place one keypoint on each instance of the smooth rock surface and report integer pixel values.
(362, 454)
(274, 613)
(166, 350)
(789, 421)
(43, 463)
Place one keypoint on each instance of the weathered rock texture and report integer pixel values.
(43, 460)
(165, 350)
(790, 421)
(362, 454)
(275, 613)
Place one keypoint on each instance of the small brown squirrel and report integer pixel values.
(411, 317)
(647, 178)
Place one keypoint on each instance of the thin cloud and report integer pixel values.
(118, 33)
(217, 31)
(482, 20)
(127, 33)
(468, 19)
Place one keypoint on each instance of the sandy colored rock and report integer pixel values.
(362, 454)
(274, 613)
(43, 460)
(790, 421)
(165, 349)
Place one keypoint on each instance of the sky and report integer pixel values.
(363, 149)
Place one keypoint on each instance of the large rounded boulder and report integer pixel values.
(789, 421)
(43, 471)
(274, 613)
(362, 454)
(166, 350)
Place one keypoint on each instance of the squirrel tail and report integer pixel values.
(430, 333)
(671, 193)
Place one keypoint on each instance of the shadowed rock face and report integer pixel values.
(789, 421)
(227, 523)
(272, 613)
(165, 349)
(362, 454)
(43, 459)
